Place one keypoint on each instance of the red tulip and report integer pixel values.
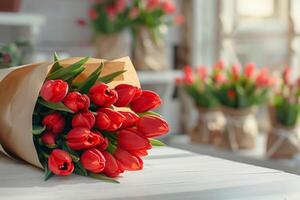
(108, 119)
(152, 126)
(48, 138)
(236, 70)
(77, 102)
(93, 14)
(168, 7)
(202, 73)
(141, 153)
(151, 4)
(84, 119)
(82, 138)
(188, 75)
(125, 94)
(231, 94)
(93, 160)
(112, 166)
(102, 146)
(60, 162)
(131, 140)
(128, 161)
(262, 79)
(220, 65)
(54, 90)
(286, 75)
(249, 70)
(220, 78)
(131, 119)
(101, 95)
(54, 122)
(147, 101)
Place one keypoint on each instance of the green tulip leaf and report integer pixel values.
(72, 153)
(102, 177)
(79, 169)
(37, 130)
(48, 173)
(56, 66)
(64, 72)
(54, 106)
(155, 142)
(149, 113)
(110, 77)
(91, 80)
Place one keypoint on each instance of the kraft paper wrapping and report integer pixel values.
(19, 90)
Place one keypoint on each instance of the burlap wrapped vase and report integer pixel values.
(210, 126)
(282, 142)
(112, 46)
(241, 129)
(149, 53)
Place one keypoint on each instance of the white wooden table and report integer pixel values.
(168, 174)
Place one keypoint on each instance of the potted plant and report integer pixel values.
(110, 21)
(284, 111)
(200, 86)
(239, 93)
(149, 27)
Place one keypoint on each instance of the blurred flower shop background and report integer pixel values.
(227, 70)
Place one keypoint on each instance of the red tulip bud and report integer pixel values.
(131, 119)
(125, 94)
(262, 79)
(235, 70)
(93, 160)
(286, 75)
(54, 122)
(112, 166)
(188, 75)
(54, 90)
(220, 65)
(101, 95)
(147, 101)
(168, 7)
(48, 138)
(231, 94)
(249, 70)
(202, 73)
(131, 140)
(152, 126)
(220, 78)
(108, 119)
(84, 119)
(127, 160)
(77, 102)
(60, 162)
(82, 138)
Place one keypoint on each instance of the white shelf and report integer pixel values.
(21, 19)
(159, 77)
(255, 156)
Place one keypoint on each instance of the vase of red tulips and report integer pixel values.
(240, 92)
(284, 112)
(199, 85)
(149, 28)
(110, 20)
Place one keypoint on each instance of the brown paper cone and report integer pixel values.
(19, 91)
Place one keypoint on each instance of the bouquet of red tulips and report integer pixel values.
(284, 112)
(239, 92)
(88, 119)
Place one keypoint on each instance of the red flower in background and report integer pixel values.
(60, 162)
(286, 75)
(108, 119)
(263, 79)
(54, 122)
(120, 5)
(152, 126)
(93, 160)
(236, 70)
(134, 12)
(231, 94)
(152, 4)
(220, 65)
(77, 102)
(202, 72)
(249, 70)
(179, 19)
(111, 12)
(188, 75)
(84, 119)
(147, 101)
(112, 166)
(82, 138)
(127, 160)
(102, 95)
(54, 90)
(220, 78)
(93, 14)
(168, 6)
(81, 22)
